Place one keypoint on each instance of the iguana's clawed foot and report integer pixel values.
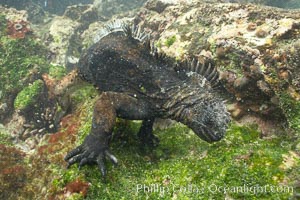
(91, 152)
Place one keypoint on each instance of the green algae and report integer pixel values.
(19, 60)
(291, 109)
(80, 95)
(3, 24)
(5, 137)
(28, 95)
(184, 167)
(170, 41)
(57, 72)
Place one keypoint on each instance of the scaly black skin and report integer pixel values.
(136, 85)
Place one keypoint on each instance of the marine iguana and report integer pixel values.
(138, 83)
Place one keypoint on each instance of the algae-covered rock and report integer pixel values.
(22, 58)
(61, 29)
(28, 95)
(25, 109)
(251, 45)
(13, 172)
(292, 4)
(108, 8)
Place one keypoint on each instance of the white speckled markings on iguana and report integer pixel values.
(138, 83)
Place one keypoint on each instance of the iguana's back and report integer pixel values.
(120, 62)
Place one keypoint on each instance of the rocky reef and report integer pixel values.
(254, 47)
(292, 4)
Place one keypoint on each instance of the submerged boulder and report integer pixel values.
(253, 46)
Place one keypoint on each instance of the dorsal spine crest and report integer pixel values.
(205, 68)
(132, 31)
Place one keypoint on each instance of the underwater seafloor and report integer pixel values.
(256, 48)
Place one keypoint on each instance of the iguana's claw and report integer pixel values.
(90, 152)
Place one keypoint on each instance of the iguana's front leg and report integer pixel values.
(95, 148)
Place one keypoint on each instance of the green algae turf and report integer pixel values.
(20, 59)
(183, 167)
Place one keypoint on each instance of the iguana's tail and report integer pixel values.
(64, 86)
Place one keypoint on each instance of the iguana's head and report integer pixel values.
(209, 120)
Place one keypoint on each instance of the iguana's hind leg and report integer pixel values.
(146, 135)
(95, 148)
